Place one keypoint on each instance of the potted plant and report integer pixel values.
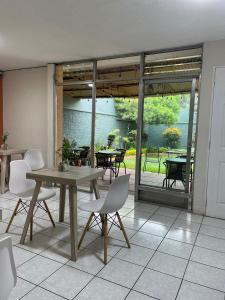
(4, 145)
(65, 152)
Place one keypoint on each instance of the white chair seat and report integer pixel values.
(92, 206)
(44, 194)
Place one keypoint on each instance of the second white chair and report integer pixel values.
(106, 210)
(34, 159)
(7, 267)
(23, 188)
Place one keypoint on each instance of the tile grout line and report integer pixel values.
(155, 250)
(163, 238)
(188, 261)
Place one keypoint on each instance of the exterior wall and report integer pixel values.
(77, 120)
(77, 123)
(213, 55)
(25, 108)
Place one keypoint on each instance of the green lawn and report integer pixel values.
(150, 167)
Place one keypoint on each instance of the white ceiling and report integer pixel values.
(36, 32)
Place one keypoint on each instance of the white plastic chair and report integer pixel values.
(23, 188)
(107, 210)
(34, 159)
(8, 270)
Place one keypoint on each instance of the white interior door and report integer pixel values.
(216, 173)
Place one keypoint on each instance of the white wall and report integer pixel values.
(25, 94)
(213, 55)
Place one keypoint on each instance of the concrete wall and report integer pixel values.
(77, 123)
(213, 55)
(77, 120)
(25, 108)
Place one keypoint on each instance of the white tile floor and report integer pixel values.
(174, 255)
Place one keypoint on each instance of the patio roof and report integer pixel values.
(119, 77)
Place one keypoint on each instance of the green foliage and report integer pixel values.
(66, 150)
(172, 136)
(126, 142)
(162, 149)
(157, 110)
(131, 152)
(5, 137)
(99, 146)
(114, 138)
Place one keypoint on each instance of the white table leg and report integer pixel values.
(30, 211)
(73, 221)
(3, 173)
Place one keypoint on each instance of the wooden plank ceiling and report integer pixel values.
(122, 81)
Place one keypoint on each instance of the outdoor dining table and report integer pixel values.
(178, 174)
(71, 178)
(178, 160)
(110, 154)
(5, 159)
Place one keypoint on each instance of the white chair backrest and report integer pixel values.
(34, 159)
(7, 267)
(117, 194)
(18, 184)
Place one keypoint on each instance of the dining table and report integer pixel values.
(179, 172)
(69, 178)
(110, 154)
(5, 156)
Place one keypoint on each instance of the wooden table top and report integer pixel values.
(71, 176)
(12, 151)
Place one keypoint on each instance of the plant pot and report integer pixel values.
(61, 167)
(4, 146)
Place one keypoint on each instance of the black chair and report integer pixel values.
(85, 156)
(119, 159)
(104, 161)
(151, 159)
(174, 172)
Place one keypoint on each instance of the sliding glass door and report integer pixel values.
(168, 134)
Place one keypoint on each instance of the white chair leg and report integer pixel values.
(85, 230)
(123, 230)
(13, 215)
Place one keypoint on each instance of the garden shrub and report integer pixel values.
(131, 152)
(114, 138)
(172, 136)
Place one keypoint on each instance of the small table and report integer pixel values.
(110, 152)
(70, 178)
(4, 154)
(178, 160)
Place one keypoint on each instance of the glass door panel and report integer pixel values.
(166, 129)
(77, 99)
(116, 126)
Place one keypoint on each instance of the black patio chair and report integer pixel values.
(119, 159)
(104, 161)
(85, 156)
(175, 172)
(152, 160)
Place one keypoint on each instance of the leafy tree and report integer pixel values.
(172, 136)
(157, 110)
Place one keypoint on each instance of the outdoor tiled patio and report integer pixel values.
(174, 255)
(147, 178)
